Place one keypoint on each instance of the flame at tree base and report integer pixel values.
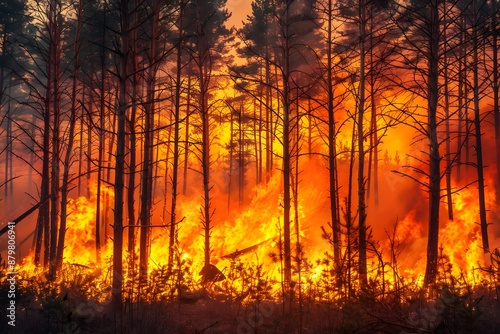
(247, 251)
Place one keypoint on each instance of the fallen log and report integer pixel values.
(24, 215)
(250, 249)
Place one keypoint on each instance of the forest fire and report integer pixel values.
(323, 166)
(253, 236)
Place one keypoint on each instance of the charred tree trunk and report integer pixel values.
(186, 137)
(449, 200)
(176, 149)
(117, 285)
(349, 218)
(80, 141)
(373, 155)
(309, 129)
(101, 146)
(204, 67)
(269, 119)
(434, 157)
(206, 214)
(71, 133)
(255, 135)
(111, 153)
(332, 150)
(42, 225)
(496, 108)
(9, 135)
(132, 151)
(89, 128)
(477, 125)
(258, 143)
(286, 153)
(460, 99)
(147, 169)
(231, 158)
(241, 156)
(361, 150)
(55, 27)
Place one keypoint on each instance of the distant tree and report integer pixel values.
(12, 23)
(260, 38)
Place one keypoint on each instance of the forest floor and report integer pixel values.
(448, 312)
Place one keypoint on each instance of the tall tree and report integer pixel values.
(289, 49)
(207, 36)
(153, 9)
(329, 12)
(421, 26)
(12, 22)
(69, 154)
(478, 23)
(495, 22)
(122, 40)
(45, 83)
(367, 37)
(181, 6)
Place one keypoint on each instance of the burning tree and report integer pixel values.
(208, 36)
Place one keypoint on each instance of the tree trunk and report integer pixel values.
(117, 286)
(203, 63)
(111, 153)
(241, 156)
(255, 135)
(286, 154)
(147, 169)
(132, 153)
(55, 48)
(449, 200)
(361, 150)
(186, 137)
(434, 157)
(477, 125)
(332, 150)
(460, 99)
(176, 153)
(101, 147)
(42, 225)
(348, 212)
(80, 142)
(373, 155)
(269, 120)
(231, 158)
(309, 129)
(495, 84)
(71, 134)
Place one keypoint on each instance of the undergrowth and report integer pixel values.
(248, 301)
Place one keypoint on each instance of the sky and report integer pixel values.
(239, 9)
